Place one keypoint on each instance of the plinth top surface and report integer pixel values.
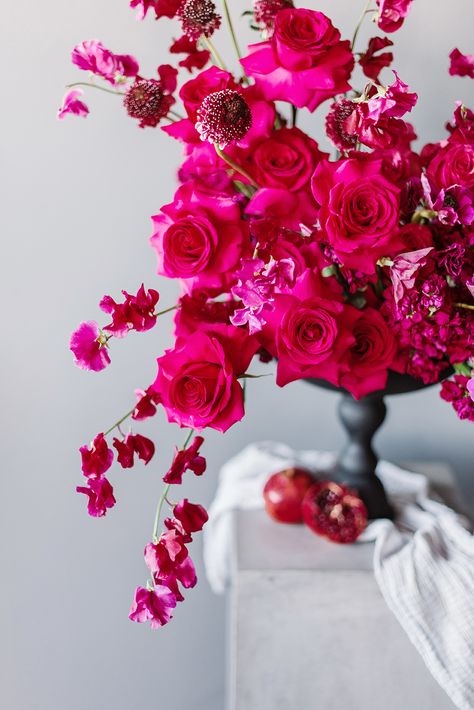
(263, 544)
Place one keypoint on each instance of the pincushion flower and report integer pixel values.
(392, 14)
(89, 347)
(461, 64)
(198, 384)
(153, 605)
(149, 100)
(305, 62)
(92, 56)
(265, 12)
(359, 211)
(223, 117)
(72, 104)
(198, 17)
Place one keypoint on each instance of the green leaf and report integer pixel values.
(462, 368)
(329, 271)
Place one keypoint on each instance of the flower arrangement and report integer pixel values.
(341, 268)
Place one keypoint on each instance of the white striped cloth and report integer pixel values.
(423, 563)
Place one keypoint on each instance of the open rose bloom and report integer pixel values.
(342, 261)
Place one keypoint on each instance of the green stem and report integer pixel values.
(158, 511)
(294, 115)
(94, 86)
(164, 495)
(117, 424)
(234, 166)
(359, 24)
(215, 54)
(465, 305)
(175, 114)
(232, 32)
(167, 310)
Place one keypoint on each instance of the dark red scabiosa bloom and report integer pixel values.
(264, 12)
(334, 511)
(199, 17)
(223, 117)
(146, 101)
(340, 124)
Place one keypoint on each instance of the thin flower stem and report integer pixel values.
(164, 495)
(95, 86)
(216, 56)
(235, 167)
(175, 114)
(119, 422)
(465, 305)
(167, 310)
(158, 511)
(294, 116)
(359, 24)
(232, 31)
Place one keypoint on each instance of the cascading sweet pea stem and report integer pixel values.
(95, 86)
(359, 23)
(164, 495)
(119, 422)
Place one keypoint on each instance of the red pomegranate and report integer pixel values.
(284, 492)
(334, 511)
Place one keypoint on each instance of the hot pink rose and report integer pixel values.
(452, 164)
(199, 237)
(305, 62)
(392, 14)
(308, 331)
(287, 160)
(359, 212)
(371, 355)
(197, 382)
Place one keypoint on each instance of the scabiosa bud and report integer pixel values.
(199, 17)
(264, 12)
(339, 124)
(146, 100)
(223, 117)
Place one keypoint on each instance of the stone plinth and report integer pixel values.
(309, 629)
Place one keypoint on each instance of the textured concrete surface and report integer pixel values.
(310, 629)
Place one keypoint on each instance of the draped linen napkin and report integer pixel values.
(423, 561)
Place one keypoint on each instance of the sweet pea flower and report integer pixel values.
(404, 268)
(72, 104)
(89, 347)
(187, 459)
(196, 58)
(135, 313)
(96, 459)
(131, 445)
(169, 551)
(153, 605)
(461, 64)
(92, 56)
(191, 516)
(373, 63)
(100, 496)
(392, 14)
(146, 405)
(393, 101)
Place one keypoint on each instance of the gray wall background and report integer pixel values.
(77, 197)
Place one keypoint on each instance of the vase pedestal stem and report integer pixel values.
(358, 461)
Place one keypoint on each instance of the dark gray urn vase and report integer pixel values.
(361, 419)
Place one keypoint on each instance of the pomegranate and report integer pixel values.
(284, 492)
(334, 511)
